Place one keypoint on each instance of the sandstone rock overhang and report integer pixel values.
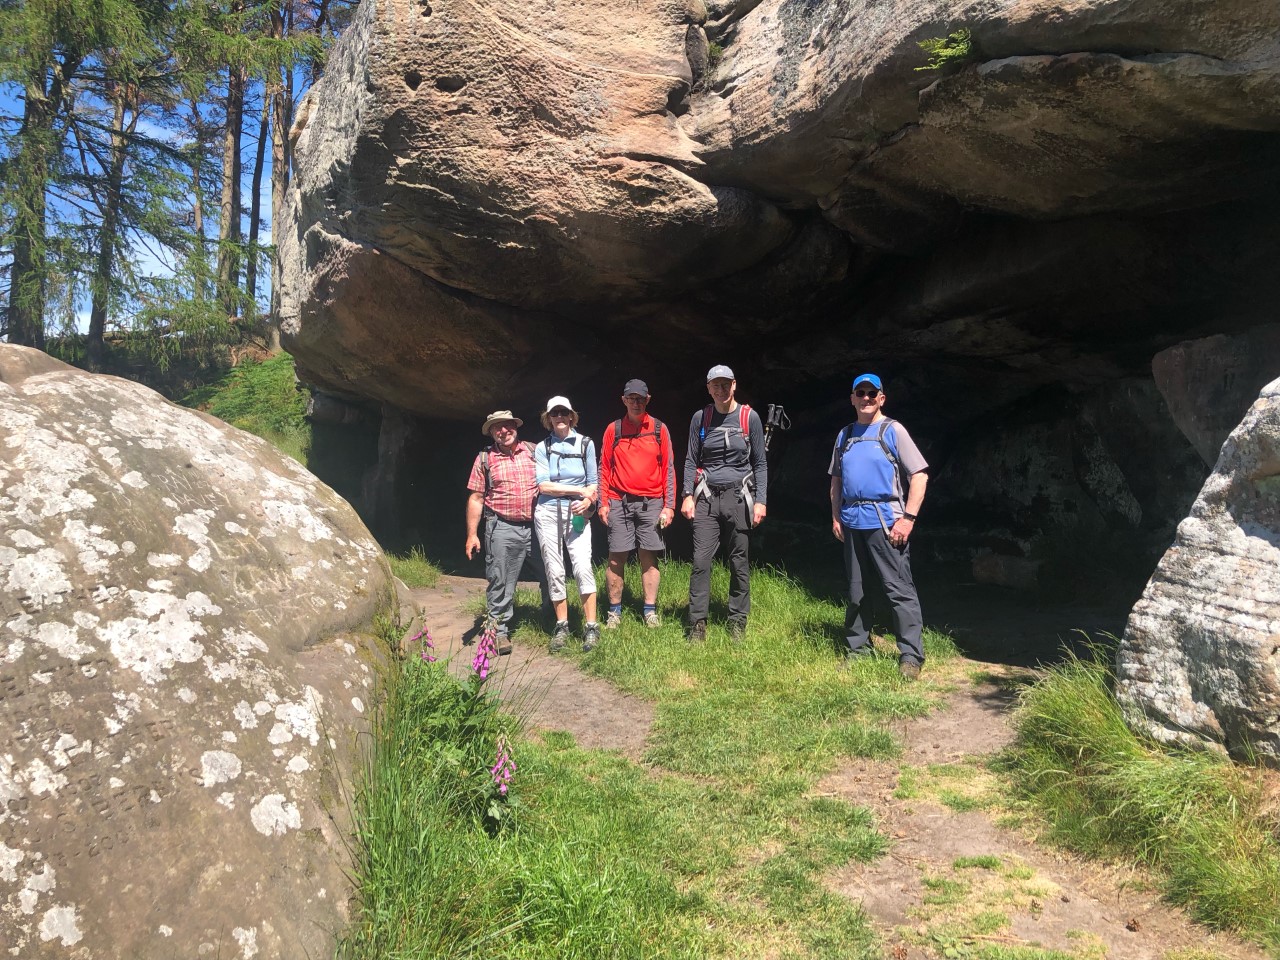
(494, 200)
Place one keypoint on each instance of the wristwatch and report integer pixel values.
(909, 516)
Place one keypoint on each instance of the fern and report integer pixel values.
(943, 51)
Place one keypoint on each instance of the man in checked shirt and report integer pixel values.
(503, 486)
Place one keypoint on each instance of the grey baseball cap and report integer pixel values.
(638, 387)
(720, 370)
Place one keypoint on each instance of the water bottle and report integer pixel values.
(579, 523)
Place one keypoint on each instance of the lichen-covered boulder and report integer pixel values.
(180, 689)
(1199, 663)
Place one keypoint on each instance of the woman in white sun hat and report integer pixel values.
(567, 476)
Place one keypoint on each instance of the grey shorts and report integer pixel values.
(634, 523)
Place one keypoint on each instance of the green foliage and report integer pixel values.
(715, 52)
(414, 568)
(718, 847)
(953, 49)
(1195, 818)
(262, 398)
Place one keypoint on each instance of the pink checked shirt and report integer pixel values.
(512, 484)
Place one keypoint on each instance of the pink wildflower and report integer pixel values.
(486, 650)
(504, 769)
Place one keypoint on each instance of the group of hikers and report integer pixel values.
(536, 502)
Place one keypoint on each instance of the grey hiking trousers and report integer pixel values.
(867, 555)
(507, 546)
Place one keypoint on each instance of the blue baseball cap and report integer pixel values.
(870, 378)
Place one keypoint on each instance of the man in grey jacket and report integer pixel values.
(725, 488)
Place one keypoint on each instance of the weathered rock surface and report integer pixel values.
(1209, 384)
(470, 177)
(1200, 659)
(179, 692)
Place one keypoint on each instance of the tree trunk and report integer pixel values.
(28, 273)
(200, 287)
(255, 216)
(229, 229)
(281, 120)
(101, 285)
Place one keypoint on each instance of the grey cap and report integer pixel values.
(720, 370)
(638, 387)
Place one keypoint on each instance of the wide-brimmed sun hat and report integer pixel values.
(499, 416)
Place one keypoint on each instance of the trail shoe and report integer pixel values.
(737, 632)
(613, 621)
(698, 631)
(504, 645)
(590, 637)
(651, 620)
(560, 636)
(909, 669)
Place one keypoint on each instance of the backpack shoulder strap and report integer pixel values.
(702, 432)
(847, 439)
(486, 453)
(617, 433)
(744, 424)
(885, 424)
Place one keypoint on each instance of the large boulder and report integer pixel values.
(181, 683)
(1199, 663)
(487, 207)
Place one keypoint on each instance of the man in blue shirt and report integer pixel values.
(878, 478)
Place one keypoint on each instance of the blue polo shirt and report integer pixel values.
(872, 490)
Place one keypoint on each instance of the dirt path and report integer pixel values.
(951, 872)
(551, 693)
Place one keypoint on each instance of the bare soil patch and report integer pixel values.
(923, 902)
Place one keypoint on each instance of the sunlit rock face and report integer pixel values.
(469, 179)
(1200, 660)
(179, 690)
(495, 204)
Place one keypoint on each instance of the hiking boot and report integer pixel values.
(590, 637)
(613, 620)
(909, 669)
(737, 632)
(560, 637)
(504, 645)
(698, 631)
(651, 620)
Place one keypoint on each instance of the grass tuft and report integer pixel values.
(414, 569)
(1198, 820)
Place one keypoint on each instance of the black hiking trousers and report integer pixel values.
(868, 556)
(720, 519)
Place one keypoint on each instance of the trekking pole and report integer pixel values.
(775, 419)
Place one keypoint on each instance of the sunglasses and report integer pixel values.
(560, 412)
(634, 399)
(866, 394)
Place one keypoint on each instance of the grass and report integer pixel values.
(262, 398)
(414, 568)
(717, 847)
(1199, 821)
